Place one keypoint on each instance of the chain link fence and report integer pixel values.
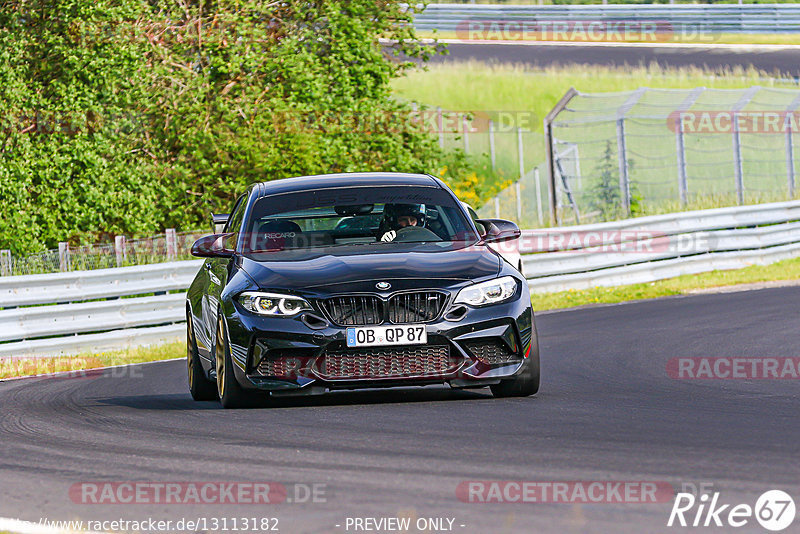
(170, 246)
(652, 151)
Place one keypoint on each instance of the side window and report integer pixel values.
(235, 220)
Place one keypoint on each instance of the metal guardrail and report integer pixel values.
(719, 18)
(573, 257)
(77, 286)
(652, 248)
(92, 311)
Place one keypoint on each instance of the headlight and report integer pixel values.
(273, 304)
(485, 293)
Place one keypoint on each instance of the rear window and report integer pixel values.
(370, 216)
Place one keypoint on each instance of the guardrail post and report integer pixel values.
(683, 183)
(172, 243)
(491, 143)
(624, 183)
(538, 183)
(119, 249)
(5, 263)
(63, 256)
(737, 160)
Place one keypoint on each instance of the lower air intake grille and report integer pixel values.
(281, 366)
(491, 351)
(387, 362)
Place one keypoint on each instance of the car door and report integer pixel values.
(217, 270)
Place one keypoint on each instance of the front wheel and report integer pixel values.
(230, 393)
(201, 388)
(525, 384)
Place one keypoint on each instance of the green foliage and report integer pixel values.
(605, 197)
(128, 116)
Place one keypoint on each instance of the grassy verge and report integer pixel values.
(783, 270)
(710, 39)
(14, 367)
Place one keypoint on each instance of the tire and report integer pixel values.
(527, 383)
(230, 393)
(201, 388)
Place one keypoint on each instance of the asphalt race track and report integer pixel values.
(775, 61)
(607, 411)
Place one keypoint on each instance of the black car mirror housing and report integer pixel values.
(212, 246)
(497, 230)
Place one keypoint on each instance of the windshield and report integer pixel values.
(375, 216)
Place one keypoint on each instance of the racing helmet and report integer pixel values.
(391, 213)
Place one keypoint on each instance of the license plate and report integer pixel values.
(376, 336)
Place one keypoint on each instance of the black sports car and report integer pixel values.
(352, 281)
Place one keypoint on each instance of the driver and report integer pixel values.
(399, 216)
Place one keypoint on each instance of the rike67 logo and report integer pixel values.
(774, 510)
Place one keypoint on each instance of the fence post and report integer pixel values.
(119, 249)
(538, 184)
(521, 152)
(440, 123)
(624, 184)
(491, 143)
(683, 183)
(172, 243)
(466, 133)
(789, 154)
(737, 159)
(63, 256)
(5, 263)
(550, 154)
(737, 141)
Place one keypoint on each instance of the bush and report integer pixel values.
(125, 116)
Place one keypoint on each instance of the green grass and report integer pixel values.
(15, 367)
(532, 92)
(783, 270)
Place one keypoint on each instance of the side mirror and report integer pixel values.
(212, 246)
(499, 230)
(220, 220)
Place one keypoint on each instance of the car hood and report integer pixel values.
(349, 269)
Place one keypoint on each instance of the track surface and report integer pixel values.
(784, 62)
(606, 411)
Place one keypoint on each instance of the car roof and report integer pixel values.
(351, 179)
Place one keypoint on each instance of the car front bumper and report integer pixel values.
(307, 354)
